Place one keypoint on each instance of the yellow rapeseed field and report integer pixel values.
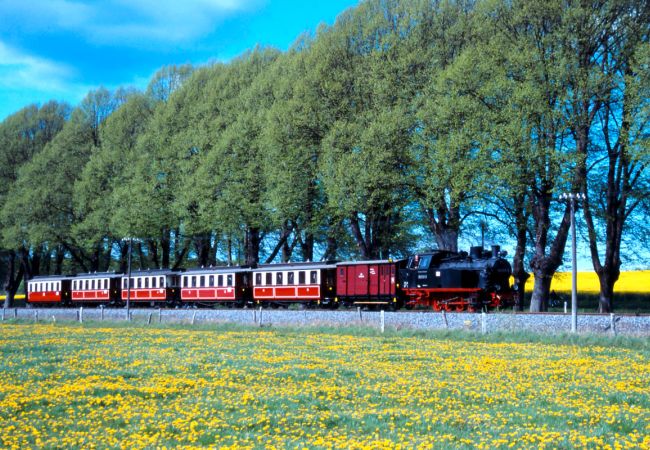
(66, 386)
(636, 282)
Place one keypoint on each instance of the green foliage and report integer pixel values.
(403, 122)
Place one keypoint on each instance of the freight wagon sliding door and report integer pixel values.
(360, 280)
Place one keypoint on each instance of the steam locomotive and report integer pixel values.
(440, 280)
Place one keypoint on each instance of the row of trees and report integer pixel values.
(405, 122)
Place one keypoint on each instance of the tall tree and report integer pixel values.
(22, 135)
(618, 149)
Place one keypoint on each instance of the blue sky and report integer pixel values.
(61, 49)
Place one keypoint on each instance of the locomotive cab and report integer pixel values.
(424, 271)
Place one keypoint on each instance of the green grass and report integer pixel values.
(138, 386)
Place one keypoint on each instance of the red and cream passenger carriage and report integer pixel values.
(154, 287)
(96, 288)
(228, 285)
(307, 283)
(49, 290)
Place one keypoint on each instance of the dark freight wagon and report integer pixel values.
(372, 283)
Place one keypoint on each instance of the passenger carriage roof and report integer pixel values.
(51, 278)
(153, 273)
(296, 266)
(98, 275)
(217, 270)
(374, 261)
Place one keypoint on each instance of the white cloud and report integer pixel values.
(19, 70)
(126, 22)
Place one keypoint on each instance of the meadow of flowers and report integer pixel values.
(70, 386)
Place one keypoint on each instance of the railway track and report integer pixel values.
(542, 323)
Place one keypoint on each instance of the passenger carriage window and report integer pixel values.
(139, 283)
(161, 282)
(211, 280)
(185, 282)
(202, 283)
(86, 285)
(301, 277)
(290, 278)
(194, 281)
(154, 282)
(229, 280)
(278, 278)
(313, 277)
(269, 279)
(258, 279)
(146, 283)
(220, 280)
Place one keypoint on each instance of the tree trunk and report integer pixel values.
(58, 260)
(229, 249)
(445, 228)
(307, 247)
(542, 264)
(124, 255)
(252, 246)
(282, 243)
(518, 268)
(364, 251)
(202, 247)
(539, 300)
(12, 279)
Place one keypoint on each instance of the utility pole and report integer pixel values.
(572, 199)
(128, 281)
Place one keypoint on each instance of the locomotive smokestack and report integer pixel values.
(495, 251)
(476, 252)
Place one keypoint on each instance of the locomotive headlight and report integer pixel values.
(397, 284)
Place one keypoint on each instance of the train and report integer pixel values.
(438, 280)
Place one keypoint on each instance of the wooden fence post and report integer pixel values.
(359, 311)
(444, 317)
(612, 323)
(193, 317)
(81, 314)
(381, 315)
(483, 323)
(159, 315)
(149, 320)
(260, 316)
